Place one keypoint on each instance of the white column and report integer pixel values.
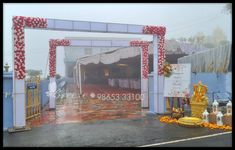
(159, 102)
(19, 102)
(155, 73)
(19, 119)
(52, 91)
(144, 84)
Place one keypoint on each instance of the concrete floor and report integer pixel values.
(111, 133)
(221, 141)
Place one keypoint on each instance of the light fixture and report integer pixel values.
(106, 72)
(122, 65)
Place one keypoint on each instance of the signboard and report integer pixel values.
(32, 85)
(178, 84)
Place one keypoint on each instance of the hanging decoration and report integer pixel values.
(145, 56)
(19, 23)
(160, 32)
(53, 43)
(167, 69)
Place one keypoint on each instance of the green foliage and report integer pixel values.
(32, 72)
(228, 7)
(57, 76)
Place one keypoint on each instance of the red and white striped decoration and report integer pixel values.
(145, 55)
(19, 23)
(53, 43)
(160, 32)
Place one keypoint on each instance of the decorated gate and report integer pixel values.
(33, 99)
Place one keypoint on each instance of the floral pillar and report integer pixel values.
(144, 69)
(158, 33)
(53, 43)
(19, 23)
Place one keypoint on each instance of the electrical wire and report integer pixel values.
(208, 19)
(180, 30)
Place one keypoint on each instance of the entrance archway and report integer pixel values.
(144, 45)
(21, 22)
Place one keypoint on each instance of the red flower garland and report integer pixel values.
(19, 23)
(144, 45)
(160, 31)
(53, 43)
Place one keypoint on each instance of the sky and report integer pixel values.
(180, 20)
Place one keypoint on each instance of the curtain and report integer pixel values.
(213, 60)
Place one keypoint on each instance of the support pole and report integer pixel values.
(155, 73)
(144, 85)
(159, 102)
(18, 100)
(80, 82)
(19, 119)
(77, 82)
(74, 75)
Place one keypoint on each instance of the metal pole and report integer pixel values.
(74, 76)
(80, 83)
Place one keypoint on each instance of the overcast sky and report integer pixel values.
(180, 20)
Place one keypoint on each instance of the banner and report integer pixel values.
(178, 84)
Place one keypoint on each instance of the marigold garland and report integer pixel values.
(167, 69)
(167, 119)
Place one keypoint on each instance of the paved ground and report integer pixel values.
(88, 110)
(113, 133)
(217, 141)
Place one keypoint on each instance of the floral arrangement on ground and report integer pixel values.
(167, 119)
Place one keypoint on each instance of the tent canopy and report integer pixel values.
(213, 60)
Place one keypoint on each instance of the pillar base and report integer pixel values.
(144, 93)
(18, 129)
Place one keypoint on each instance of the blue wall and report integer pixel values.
(216, 82)
(7, 101)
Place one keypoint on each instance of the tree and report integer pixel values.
(32, 72)
(181, 39)
(224, 42)
(218, 35)
(191, 40)
(200, 38)
(228, 8)
(209, 45)
(57, 76)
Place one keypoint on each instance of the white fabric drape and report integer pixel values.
(125, 83)
(214, 60)
(109, 58)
